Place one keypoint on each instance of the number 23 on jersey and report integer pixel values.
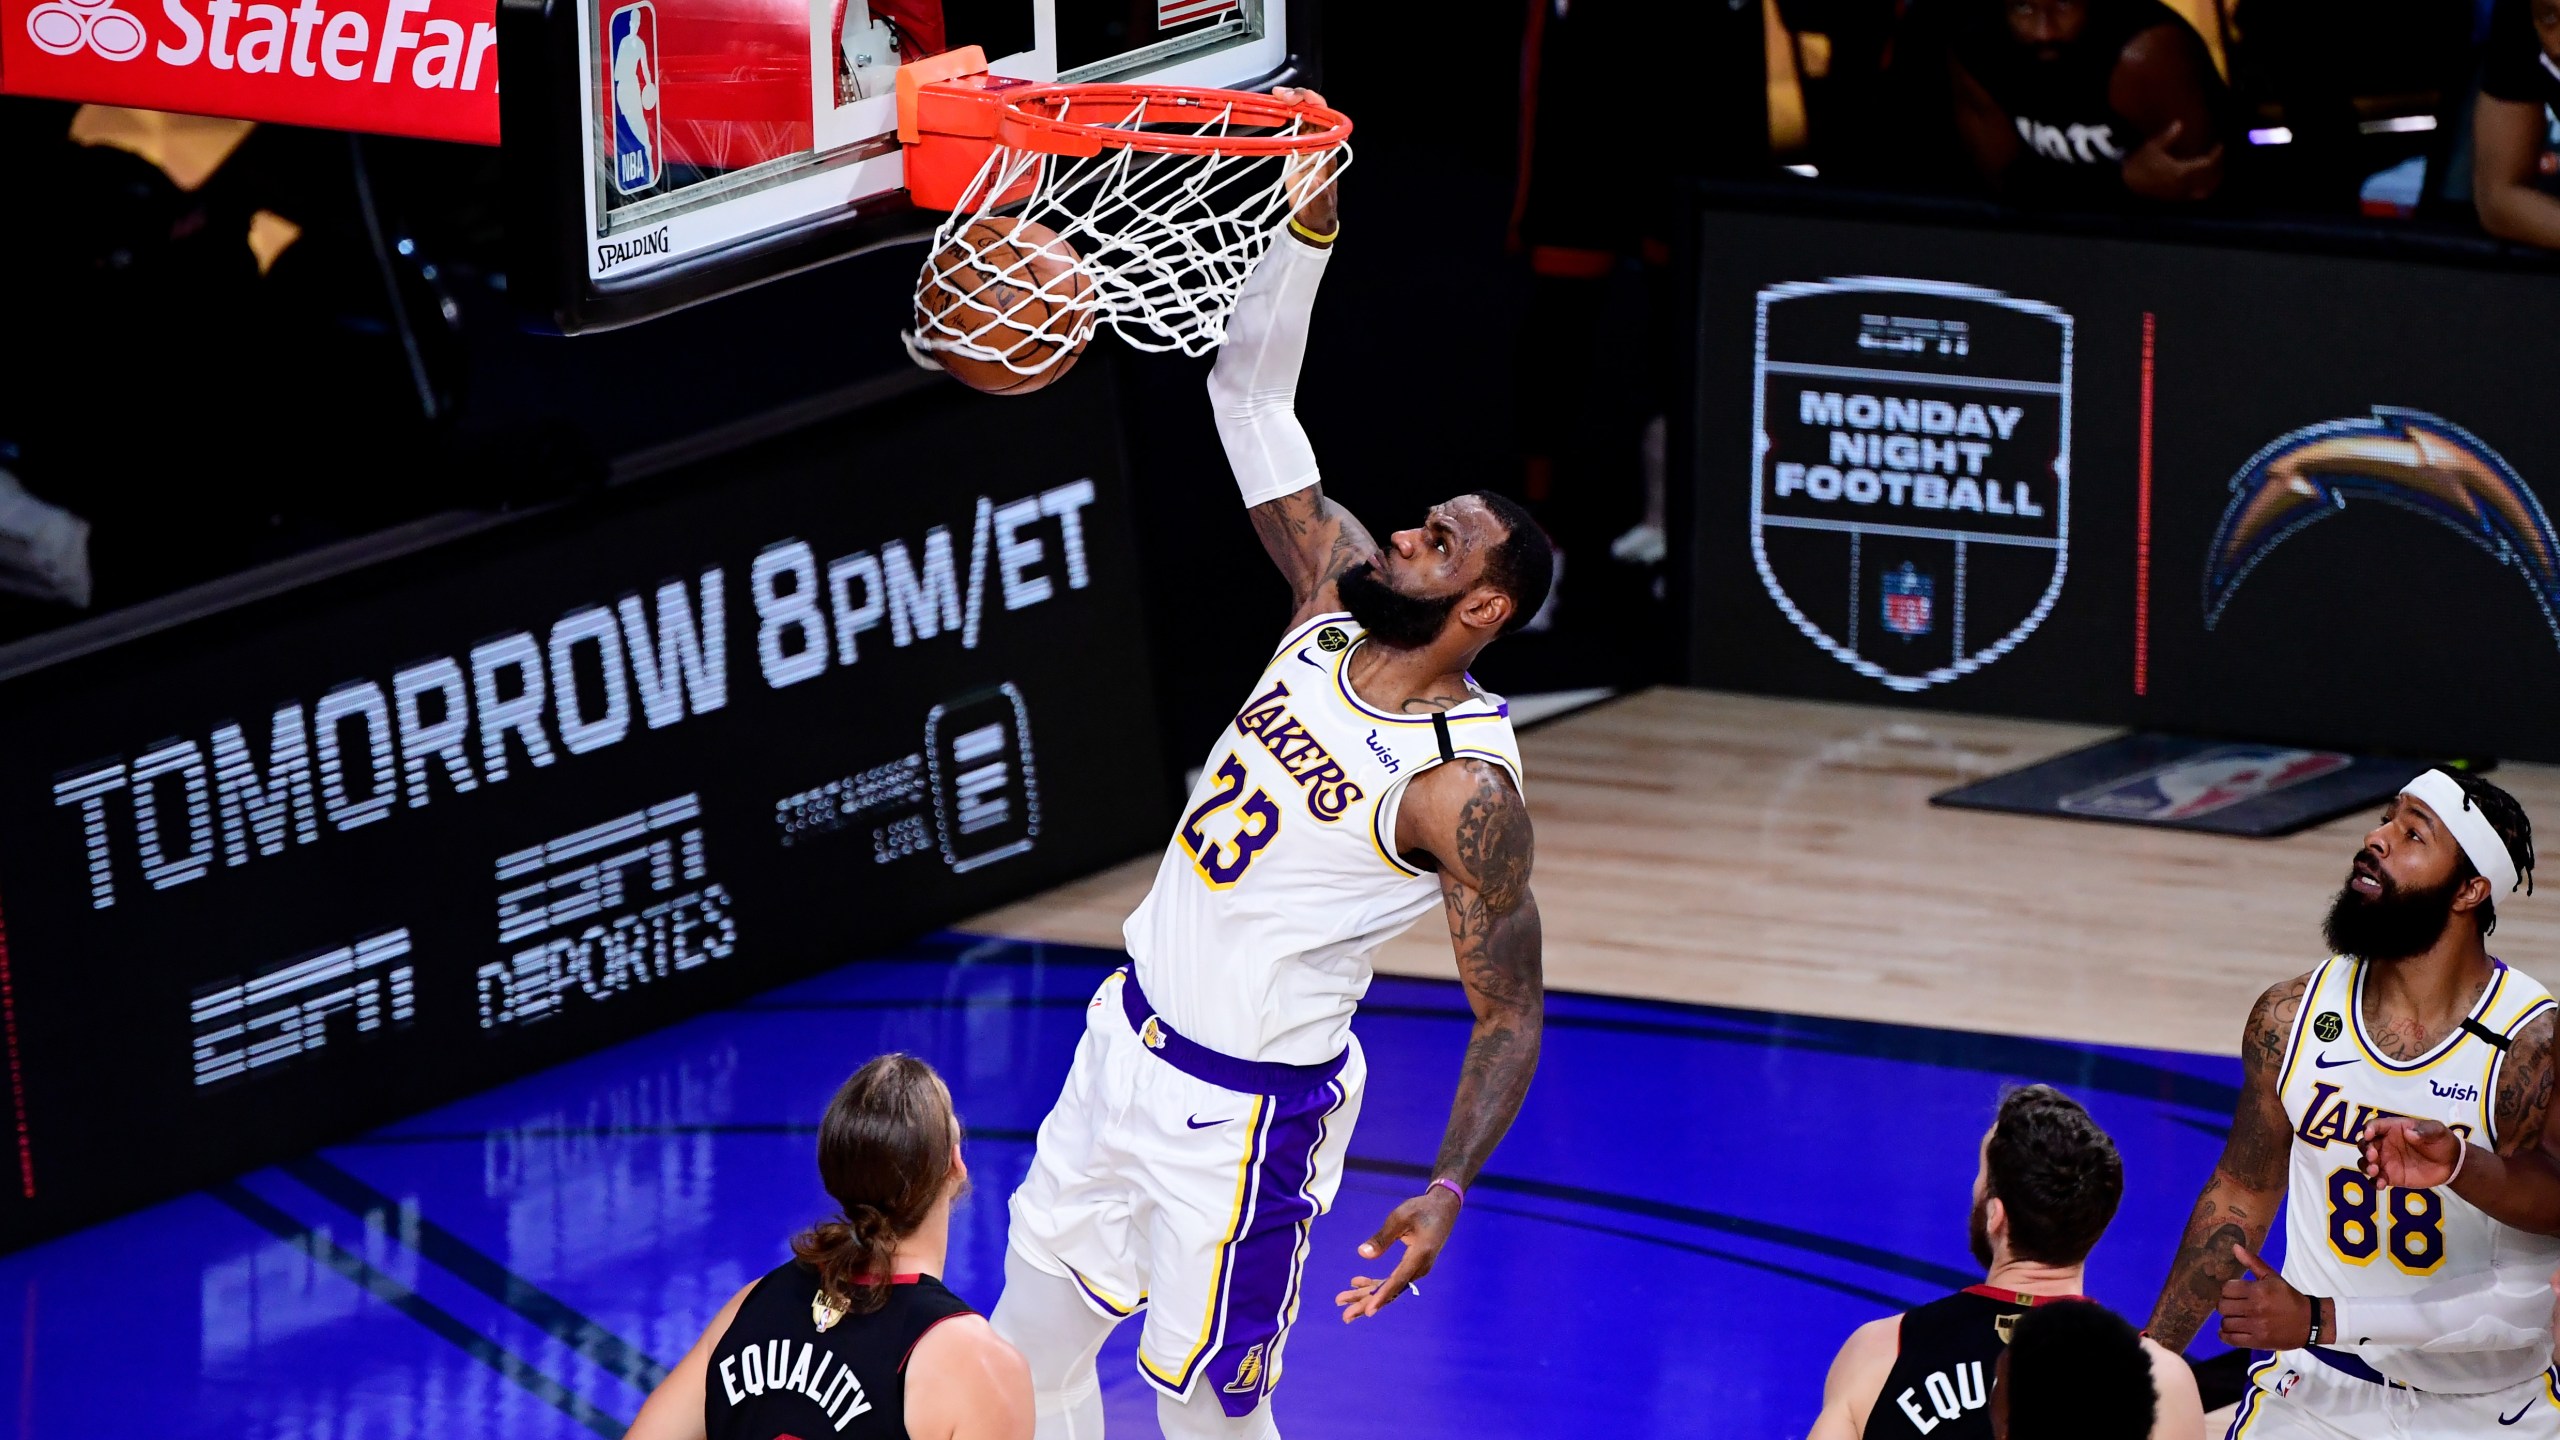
(1222, 862)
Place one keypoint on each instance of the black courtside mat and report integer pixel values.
(2184, 782)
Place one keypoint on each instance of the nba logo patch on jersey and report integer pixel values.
(2291, 1379)
(631, 97)
(1910, 430)
(2215, 778)
(1908, 600)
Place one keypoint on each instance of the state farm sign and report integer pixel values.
(427, 68)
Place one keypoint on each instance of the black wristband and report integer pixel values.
(2315, 1318)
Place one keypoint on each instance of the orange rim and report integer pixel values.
(1034, 121)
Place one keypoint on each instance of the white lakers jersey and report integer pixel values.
(1282, 875)
(2348, 1236)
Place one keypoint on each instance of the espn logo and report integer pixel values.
(623, 903)
(271, 1018)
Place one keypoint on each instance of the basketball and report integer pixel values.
(1008, 286)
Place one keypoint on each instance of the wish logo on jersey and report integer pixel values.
(631, 48)
(1908, 430)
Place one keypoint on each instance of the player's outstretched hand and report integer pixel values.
(2260, 1311)
(2410, 1154)
(1423, 1224)
(1310, 181)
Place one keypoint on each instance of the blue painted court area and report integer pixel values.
(1693, 1209)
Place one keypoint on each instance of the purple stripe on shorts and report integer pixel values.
(1262, 1268)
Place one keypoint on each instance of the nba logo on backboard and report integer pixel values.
(631, 96)
(1903, 431)
(1907, 597)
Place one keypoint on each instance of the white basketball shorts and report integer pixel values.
(2295, 1396)
(1177, 1180)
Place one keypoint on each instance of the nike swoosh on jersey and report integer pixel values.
(2511, 1419)
(1302, 654)
(1196, 1123)
(2325, 1063)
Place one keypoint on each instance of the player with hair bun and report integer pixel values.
(855, 1335)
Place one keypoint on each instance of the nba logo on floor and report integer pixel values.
(1908, 430)
(1907, 600)
(2215, 778)
(631, 97)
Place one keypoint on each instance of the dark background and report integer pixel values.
(100, 997)
(2375, 628)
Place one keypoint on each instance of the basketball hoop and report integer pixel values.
(1161, 198)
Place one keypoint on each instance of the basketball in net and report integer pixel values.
(1005, 305)
(1143, 208)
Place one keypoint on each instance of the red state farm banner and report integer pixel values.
(427, 68)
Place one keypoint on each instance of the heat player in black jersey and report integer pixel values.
(2088, 104)
(2047, 1185)
(855, 1336)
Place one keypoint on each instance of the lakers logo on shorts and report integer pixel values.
(1248, 1373)
(1152, 1034)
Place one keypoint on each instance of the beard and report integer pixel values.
(1392, 618)
(1978, 1230)
(2392, 925)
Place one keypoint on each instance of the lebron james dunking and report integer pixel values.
(1364, 779)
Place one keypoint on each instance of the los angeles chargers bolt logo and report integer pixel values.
(2408, 458)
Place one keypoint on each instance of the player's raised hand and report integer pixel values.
(2260, 1311)
(1423, 1224)
(2410, 1154)
(1315, 199)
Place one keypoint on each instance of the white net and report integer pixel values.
(1154, 245)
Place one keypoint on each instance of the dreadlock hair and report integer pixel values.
(2515, 831)
(1523, 566)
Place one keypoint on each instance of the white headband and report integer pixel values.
(2471, 829)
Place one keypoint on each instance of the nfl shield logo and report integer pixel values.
(1907, 594)
(1906, 429)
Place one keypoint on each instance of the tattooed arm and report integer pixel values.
(2518, 1183)
(1313, 540)
(2239, 1203)
(1471, 821)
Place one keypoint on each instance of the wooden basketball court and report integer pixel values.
(1783, 855)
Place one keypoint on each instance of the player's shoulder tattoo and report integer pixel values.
(2522, 1101)
(2271, 1023)
(1494, 841)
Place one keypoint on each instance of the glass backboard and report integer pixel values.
(671, 150)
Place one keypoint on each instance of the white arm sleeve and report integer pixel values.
(1253, 389)
(2504, 1308)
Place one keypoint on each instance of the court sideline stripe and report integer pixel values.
(1892, 1302)
(1810, 1241)
(2056, 1062)
(417, 1307)
(475, 1268)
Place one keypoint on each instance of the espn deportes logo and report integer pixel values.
(411, 67)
